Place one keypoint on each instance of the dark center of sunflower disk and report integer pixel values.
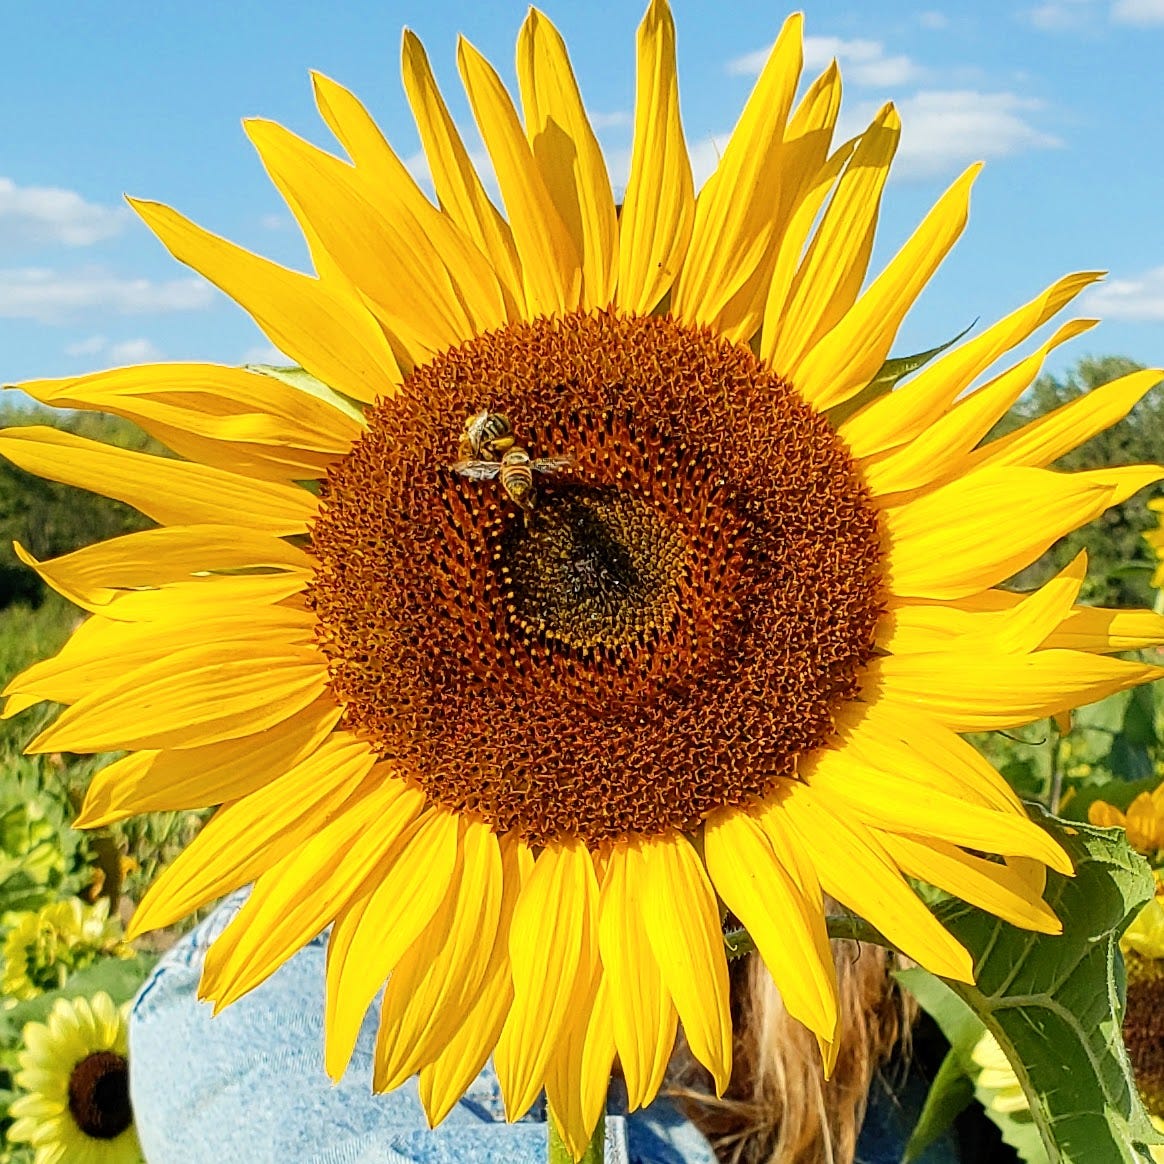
(99, 1095)
(662, 632)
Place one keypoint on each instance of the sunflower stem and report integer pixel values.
(558, 1153)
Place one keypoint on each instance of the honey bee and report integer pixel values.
(488, 436)
(515, 471)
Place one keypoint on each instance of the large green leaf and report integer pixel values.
(1055, 1004)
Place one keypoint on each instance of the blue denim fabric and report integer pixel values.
(249, 1085)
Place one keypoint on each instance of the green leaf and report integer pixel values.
(306, 382)
(949, 1094)
(118, 977)
(1055, 1004)
(893, 370)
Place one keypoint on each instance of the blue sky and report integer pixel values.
(1061, 98)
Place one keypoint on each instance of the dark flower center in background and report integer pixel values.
(99, 1095)
(668, 628)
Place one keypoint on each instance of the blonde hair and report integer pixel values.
(778, 1108)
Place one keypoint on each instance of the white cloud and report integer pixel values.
(944, 129)
(49, 296)
(265, 354)
(93, 346)
(933, 19)
(48, 214)
(1138, 298)
(276, 222)
(132, 351)
(1138, 12)
(863, 62)
(1056, 15)
(610, 120)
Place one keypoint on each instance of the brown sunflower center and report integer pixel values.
(1143, 1027)
(644, 608)
(99, 1095)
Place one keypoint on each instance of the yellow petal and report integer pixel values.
(438, 980)
(295, 899)
(831, 274)
(901, 415)
(1104, 631)
(855, 869)
(391, 259)
(155, 557)
(457, 184)
(985, 884)
(400, 898)
(326, 330)
(553, 941)
(642, 1014)
(444, 1081)
(1045, 440)
(171, 492)
(790, 245)
(579, 1072)
(390, 187)
(249, 835)
(551, 272)
(658, 209)
(979, 529)
(941, 451)
(918, 798)
(102, 653)
(988, 691)
(568, 156)
(185, 778)
(226, 417)
(200, 695)
(786, 924)
(853, 351)
(734, 221)
(681, 919)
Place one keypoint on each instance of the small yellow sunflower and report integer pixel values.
(1143, 822)
(612, 609)
(1155, 538)
(75, 1076)
(44, 946)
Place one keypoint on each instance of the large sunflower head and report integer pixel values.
(622, 600)
(74, 1077)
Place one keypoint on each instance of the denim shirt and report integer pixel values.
(250, 1085)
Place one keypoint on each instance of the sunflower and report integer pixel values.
(1155, 539)
(1143, 822)
(75, 1076)
(44, 946)
(619, 604)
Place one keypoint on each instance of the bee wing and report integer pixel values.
(477, 470)
(551, 464)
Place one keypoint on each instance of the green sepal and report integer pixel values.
(304, 381)
(893, 370)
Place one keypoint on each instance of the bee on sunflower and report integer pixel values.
(523, 759)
